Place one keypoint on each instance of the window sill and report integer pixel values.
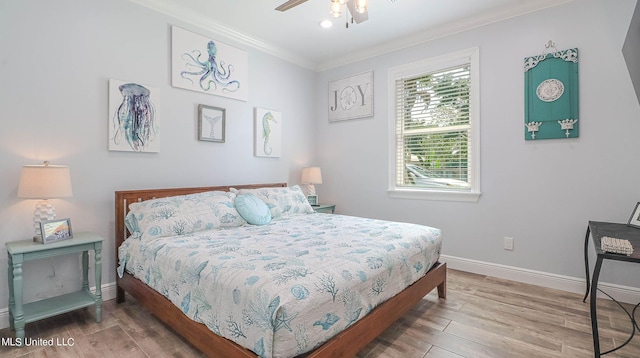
(440, 195)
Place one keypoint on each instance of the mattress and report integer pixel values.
(284, 288)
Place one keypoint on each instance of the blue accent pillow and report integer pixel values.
(252, 209)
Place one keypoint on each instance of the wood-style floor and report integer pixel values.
(481, 317)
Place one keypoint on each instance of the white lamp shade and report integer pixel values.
(311, 175)
(45, 182)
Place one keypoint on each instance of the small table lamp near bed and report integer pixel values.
(311, 176)
(44, 182)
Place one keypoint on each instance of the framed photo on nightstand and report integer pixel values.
(313, 199)
(55, 230)
(634, 220)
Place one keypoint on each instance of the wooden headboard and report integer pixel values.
(125, 197)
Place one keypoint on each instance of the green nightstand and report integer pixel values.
(27, 250)
(324, 208)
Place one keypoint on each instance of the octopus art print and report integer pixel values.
(133, 119)
(205, 65)
(210, 73)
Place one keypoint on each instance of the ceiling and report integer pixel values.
(295, 35)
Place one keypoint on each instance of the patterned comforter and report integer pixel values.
(284, 288)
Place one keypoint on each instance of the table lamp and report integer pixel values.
(44, 182)
(311, 176)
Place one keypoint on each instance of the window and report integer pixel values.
(434, 126)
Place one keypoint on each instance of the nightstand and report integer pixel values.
(324, 208)
(27, 250)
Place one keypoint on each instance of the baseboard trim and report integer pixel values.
(108, 293)
(621, 293)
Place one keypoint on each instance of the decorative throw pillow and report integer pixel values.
(252, 209)
(171, 216)
(282, 201)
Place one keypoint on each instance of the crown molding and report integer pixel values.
(174, 10)
(452, 28)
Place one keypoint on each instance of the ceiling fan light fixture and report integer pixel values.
(361, 6)
(336, 8)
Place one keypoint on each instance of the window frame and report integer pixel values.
(470, 56)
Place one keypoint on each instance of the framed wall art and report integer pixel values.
(205, 65)
(351, 97)
(133, 118)
(55, 230)
(634, 220)
(268, 133)
(551, 94)
(211, 123)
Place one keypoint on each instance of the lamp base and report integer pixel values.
(44, 211)
(311, 190)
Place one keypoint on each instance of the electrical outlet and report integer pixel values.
(508, 243)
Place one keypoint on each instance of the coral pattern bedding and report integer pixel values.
(284, 288)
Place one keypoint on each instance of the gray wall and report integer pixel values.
(56, 58)
(542, 193)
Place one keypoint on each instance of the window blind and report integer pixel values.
(433, 129)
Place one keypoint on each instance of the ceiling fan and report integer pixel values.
(357, 8)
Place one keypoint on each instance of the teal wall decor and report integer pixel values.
(551, 94)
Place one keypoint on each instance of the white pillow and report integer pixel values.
(183, 214)
(223, 205)
(169, 217)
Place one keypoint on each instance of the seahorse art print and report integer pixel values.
(268, 133)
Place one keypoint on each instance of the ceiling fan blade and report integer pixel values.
(289, 4)
(357, 16)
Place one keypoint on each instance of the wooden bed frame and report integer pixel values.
(346, 344)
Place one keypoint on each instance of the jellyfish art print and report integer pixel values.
(133, 117)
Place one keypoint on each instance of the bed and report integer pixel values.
(286, 246)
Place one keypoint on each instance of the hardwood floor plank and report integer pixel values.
(504, 343)
(437, 352)
(505, 325)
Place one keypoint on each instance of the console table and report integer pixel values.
(27, 250)
(597, 230)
